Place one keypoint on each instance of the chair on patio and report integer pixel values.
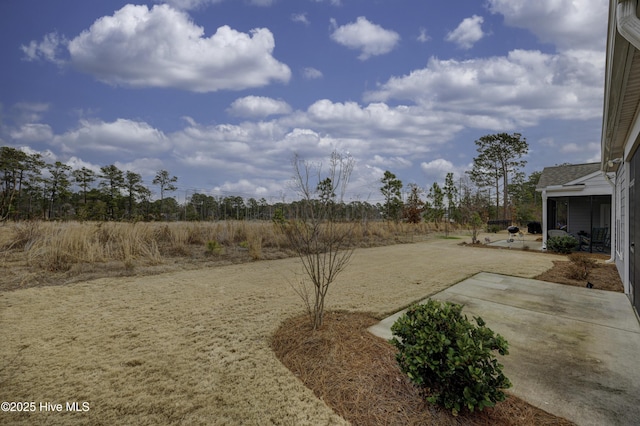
(599, 240)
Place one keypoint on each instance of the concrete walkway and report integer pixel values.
(517, 244)
(574, 352)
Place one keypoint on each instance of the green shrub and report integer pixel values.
(564, 244)
(449, 357)
(493, 229)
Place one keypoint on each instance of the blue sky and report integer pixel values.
(222, 93)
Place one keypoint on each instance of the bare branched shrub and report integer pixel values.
(581, 266)
(323, 245)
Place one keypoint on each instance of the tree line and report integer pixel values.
(495, 188)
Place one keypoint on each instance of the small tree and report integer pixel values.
(323, 245)
(451, 193)
(390, 189)
(475, 223)
(414, 205)
(436, 202)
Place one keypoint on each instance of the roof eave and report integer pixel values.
(623, 36)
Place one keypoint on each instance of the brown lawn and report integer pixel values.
(195, 345)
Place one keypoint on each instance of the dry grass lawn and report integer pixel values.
(194, 346)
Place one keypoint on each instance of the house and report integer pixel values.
(620, 138)
(576, 198)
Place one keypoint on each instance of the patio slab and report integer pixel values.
(519, 244)
(573, 351)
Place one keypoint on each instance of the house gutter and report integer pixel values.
(628, 25)
(628, 22)
(560, 188)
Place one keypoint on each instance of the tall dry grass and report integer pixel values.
(58, 246)
(62, 246)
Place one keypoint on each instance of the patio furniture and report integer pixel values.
(599, 240)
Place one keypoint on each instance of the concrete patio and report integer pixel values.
(573, 351)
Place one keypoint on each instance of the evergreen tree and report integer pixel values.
(391, 190)
(499, 158)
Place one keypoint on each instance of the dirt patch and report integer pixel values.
(356, 374)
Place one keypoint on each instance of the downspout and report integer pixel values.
(544, 220)
(628, 22)
(614, 207)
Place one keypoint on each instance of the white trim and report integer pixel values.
(556, 188)
(585, 178)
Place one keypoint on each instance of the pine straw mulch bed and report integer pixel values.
(604, 276)
(356, 374)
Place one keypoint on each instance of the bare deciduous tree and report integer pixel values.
(323, 244)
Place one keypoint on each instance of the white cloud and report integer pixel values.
(369, 38)
(162, 47)
(311, 73)
(300, 17)
(255, 188)
(332, 2)
(568, 24)
(439, 167)
(143, 166)
(32, 132)
(258, 107)
(262, 3)
(502, 93)
(199, 4)
(50, 48)
(77, 163)
(29, 112)
(390, 163)
(398, 130)
(118, 138)
(467, 33)
(47, 155)
(423, 37)
(188, 4)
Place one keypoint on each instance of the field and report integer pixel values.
(184, 335)
(52, 253)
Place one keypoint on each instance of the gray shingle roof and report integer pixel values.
(560, 175)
